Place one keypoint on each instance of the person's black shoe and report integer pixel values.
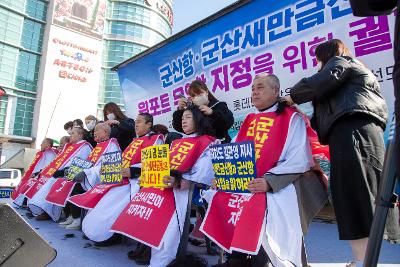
(133, 254)
(29, 215)
(144, 258)
(114, 240)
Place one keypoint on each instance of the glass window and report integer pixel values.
(3, 109)
(32, 35)
(14, 4)
(27, 71)
(23, 117)
(36, 9)
(10, 26)
(8, 60)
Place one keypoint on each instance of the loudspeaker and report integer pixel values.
(20, 245)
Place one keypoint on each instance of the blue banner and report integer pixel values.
(277, 37)
(234, 166)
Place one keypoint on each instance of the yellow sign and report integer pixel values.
(155, 165)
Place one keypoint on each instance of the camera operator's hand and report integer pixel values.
(182, 103)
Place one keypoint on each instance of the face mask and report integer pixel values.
(200, 100)
(69, 131)
(111, 116)
(90, 126)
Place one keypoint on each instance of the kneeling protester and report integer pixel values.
(48, 176)
(158, 214)
(105, 201)
(62, 188)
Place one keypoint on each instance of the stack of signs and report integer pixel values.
(155, 165)
(235, 219)
(77, 166)
(234, 166)
(110, 171)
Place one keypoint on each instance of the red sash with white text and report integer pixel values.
(54, 165)
(236, 221)
(28, 173)
(62, 189)
(151, 221)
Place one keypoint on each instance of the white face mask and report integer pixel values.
(200, 100)
(69, 131)
(90, 126)
(111, 116)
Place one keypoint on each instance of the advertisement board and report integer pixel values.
(70, 80)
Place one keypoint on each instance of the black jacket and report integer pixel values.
(89, 137)
(171, 136)
(343, 87)
(124, 132)
(221, 120)
(364, 8)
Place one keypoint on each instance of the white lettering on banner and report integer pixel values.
(149, 198)
(139, 210)
(235, 202)
(61, 187)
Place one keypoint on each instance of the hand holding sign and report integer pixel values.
(259, 185)
(234, 166)
(155, 166)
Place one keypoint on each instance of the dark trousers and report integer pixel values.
(71, 209)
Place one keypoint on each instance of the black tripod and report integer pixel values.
(384, 200)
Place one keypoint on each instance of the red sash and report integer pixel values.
(269, 132)
(90, 198)
(54, 165)
(62, 189)
(185, 151)
(28, 173)
(26, 186)
(147, 216)
(132, 154)
(242, 218)
(151, 222)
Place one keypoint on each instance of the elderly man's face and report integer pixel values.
(44, 145)
(262, 94)
(100, 134)
(63, 142)
(75, 136)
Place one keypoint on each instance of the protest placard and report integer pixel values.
(110, 170)
(77, 165)
(234, 166)
(155, 165)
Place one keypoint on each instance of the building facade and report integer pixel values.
(130, 28)
(33, 32)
